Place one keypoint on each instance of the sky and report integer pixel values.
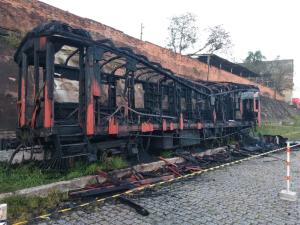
(271, 26)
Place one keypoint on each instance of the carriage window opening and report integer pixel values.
(67, 54)
(139, 96)
(165, 102)
(66, 90)
(103, 99)
(120, 98)
(66, 84)
(183, 104)
(30, 92)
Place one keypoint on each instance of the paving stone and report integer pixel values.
(245, 193)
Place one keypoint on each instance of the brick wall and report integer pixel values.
(23, 15)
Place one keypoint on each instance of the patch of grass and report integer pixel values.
(166, 153)
(29, 175)
(290, 130)
(113, 163)
(22, 208)
(23, 176)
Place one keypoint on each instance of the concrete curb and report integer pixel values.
(65, 186)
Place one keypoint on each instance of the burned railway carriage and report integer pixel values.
(81, 97)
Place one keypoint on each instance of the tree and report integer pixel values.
(280, 76)
(253, 62)
(254, 57)
(218, 39)
(182, 32)
(275, 73)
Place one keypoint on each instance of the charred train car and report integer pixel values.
(81, 97)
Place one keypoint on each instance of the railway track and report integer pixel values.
(244, 156)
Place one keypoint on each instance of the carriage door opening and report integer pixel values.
(66, 84)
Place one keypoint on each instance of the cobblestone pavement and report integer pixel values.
(245, 193)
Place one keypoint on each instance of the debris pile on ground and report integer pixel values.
(192, 163)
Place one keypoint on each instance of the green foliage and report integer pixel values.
(13, 39)
(114, 163)
(167, 154)
(183, 35)
(254, 57)
(23, 176)
(22, 208)
(289, 130)
(29, 175)
(182, 32)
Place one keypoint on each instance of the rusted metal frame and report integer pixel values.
(70, 56)
(109, 61)
(196, 85)
(152, 94)
(152, 76)
(171, 99)
(117, 68)
(97, 77)
(36, 66)
(148, 75)
(236, 90)
(106, 41)
(138, 77)
(155, 66)
(142, 67)
(25, 65)
(92, 88)
(219, 85)
(89, 69)
(82, 91)
(177, 96)
(129, 85)
(189, 104)
(19, 102)
(161, 89)
(150, 98)
(36, 83)
(49, 86)
(23, 90)
(112, 88)
(199, 85)
(197, 116)
(160, 70)
(132, 129)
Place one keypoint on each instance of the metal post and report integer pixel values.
(3, 214)
(288, 164)
(287, 194)
(208, 66)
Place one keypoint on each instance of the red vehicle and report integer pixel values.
(296, 102)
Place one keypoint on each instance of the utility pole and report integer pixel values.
(142, 27)
(208, 66)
